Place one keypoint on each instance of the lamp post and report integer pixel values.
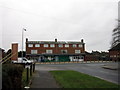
(23, 40)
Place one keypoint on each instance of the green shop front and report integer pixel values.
(55, 57)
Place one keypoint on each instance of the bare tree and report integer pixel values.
(116, 35)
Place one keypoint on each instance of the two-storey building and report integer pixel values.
(114, 53)
(55, 50)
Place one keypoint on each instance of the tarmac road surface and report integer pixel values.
(95, 69)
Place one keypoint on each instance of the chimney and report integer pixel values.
(26, 39)
(55, 40)
(14, 51)
(82, 40)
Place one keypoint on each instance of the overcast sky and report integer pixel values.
(66, 20)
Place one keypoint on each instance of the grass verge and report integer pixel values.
(74, 79)
(24, 77)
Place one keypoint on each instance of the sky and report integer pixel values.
(66, 20)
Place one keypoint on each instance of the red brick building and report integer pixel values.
(55, 50)
(114, 52)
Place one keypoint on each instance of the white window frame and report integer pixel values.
(111, 55)
(77, 51)
(74, 45)
(37, 45)
(30, 45)
(66, 45)
(49, 51)
(34, 51)
(60, 45)
(45, 45)
(52, 45)
(80, 45)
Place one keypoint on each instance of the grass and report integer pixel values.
(74, 79)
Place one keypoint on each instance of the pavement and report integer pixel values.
(43, 79)
(112, 66)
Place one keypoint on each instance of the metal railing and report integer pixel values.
(6, 58)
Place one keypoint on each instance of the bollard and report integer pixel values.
(31, 70)
(27, 76)
(33, 67)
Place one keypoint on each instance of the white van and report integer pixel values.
(24, 60)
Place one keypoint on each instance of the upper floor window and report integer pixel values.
(34, 52)
(30, 45)
(37, 45)
(63, 51)
(60, 45)
(66, 45)
(74, 45)
(77, 51)
(52, 45)
(114, 55)
(49, 51)
(45, 45)
(80, 45)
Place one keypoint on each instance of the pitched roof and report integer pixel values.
(53, 42)
(116, 48)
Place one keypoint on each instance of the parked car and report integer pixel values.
(24, 60)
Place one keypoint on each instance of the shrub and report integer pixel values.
(12, 76)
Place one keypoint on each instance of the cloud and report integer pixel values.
(62, 19)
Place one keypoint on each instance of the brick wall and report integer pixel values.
(114, 55)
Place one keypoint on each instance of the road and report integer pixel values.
(94, 69)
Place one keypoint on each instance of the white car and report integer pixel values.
(24, 60)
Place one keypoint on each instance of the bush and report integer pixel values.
(12, 76)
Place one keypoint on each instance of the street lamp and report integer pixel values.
(23, 40)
